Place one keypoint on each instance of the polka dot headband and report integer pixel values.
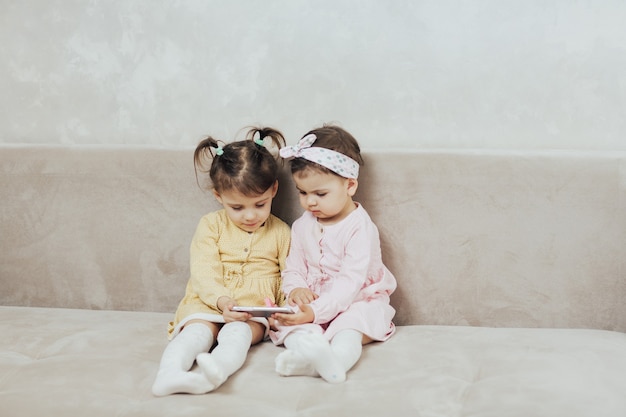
(335, 161)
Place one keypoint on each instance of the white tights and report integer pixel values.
(233, 343)
(311, 354)
(192, 344)
(178, 357)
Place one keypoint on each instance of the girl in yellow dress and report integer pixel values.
(237, 255)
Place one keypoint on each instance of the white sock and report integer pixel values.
(347, 346)
(310, 354)
(316, 349)
(291, 362)
(233, 343)
(178, 357)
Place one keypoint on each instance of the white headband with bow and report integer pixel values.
(335, 161)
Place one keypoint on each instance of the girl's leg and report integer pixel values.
(290, 362)
(317, 350)
(347, 346)
(233, 342)
(311, 354)
(178, 357)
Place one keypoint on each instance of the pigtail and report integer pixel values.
(205, 151)
(262, 133)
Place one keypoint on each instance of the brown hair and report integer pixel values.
(245, 165)
(330, 137)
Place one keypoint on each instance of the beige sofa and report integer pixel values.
(510, 265)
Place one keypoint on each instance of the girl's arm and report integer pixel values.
(284, 244)
(294, 273)
(350, 279)
(205, 264)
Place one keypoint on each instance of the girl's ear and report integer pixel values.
(353, 184)
(217, 197)
(274, 188)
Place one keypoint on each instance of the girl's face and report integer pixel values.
(327, 196)
(248, 213)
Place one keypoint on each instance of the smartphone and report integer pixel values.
(262, 311)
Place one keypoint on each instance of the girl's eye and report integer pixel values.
(321, 194)
(260, 205)
(236, 208)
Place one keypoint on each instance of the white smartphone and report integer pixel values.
(263, 311)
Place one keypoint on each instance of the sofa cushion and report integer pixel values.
(66, 362)
(501, 239)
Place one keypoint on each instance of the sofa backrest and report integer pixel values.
(519, 239)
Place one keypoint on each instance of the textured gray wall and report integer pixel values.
(399, 74)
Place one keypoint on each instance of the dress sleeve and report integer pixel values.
(349, 280)
(207, 279)
(294, 273)
(284, 245)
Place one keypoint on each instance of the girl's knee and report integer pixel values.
(238, 329)
(214, 327)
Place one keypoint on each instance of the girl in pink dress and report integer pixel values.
(334, 275)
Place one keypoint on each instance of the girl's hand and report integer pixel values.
(305, 315)
(226, 304)
(272, 323)
(301, 296)
(230, 316)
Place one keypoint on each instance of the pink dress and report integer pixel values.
(341, 263)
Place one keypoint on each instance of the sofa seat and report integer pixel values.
(78, 362)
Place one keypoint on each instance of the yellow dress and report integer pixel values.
(228, 261)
